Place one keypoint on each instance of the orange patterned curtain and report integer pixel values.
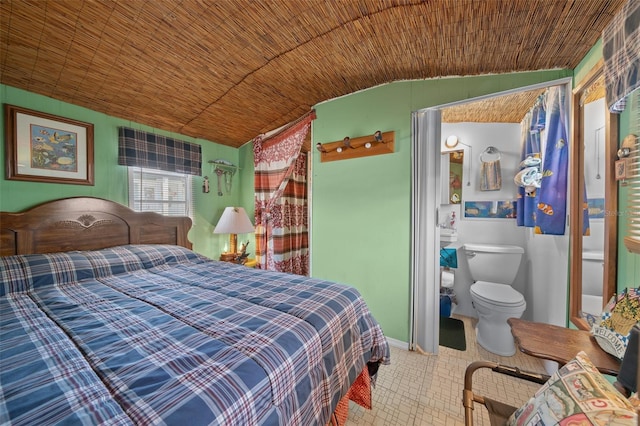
(281, 200)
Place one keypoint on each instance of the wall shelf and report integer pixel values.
(363, 146)
(224, 166)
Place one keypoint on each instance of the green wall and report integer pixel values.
(111, 179)
(361, 208)
(587, 63)
(247, 187)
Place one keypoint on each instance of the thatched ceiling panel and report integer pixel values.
(509, 108)
(595, 91)
(228, 70)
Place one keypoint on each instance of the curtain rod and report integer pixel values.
(289, 125)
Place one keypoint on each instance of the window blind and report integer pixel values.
(632, 240)
(138, 148)
(161, 192)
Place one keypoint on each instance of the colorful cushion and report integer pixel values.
(576, 394)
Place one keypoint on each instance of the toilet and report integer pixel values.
(493, 268)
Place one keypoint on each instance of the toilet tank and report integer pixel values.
(497, 263)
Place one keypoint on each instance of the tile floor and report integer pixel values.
(426, 390)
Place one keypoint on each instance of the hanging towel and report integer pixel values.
(490, 176)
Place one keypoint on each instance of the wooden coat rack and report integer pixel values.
(363, 146)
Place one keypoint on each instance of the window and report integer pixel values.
(632, 240)
(167, 193)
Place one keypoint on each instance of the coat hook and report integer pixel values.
(378, 136)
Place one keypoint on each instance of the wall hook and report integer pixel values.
(361, 146)
(205, 185)
(490, 150)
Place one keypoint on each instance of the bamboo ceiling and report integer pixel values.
(509, 108)
(501, 109)
(229, 70)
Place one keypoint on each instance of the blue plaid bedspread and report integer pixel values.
(161, 335)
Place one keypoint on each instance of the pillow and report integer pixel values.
(154, 255)
(113, 261)
(635, 401)
(619, 316)
(22, 273)
(576, 394)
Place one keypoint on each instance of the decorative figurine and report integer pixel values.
(243, 255)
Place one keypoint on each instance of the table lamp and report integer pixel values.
(234, 221)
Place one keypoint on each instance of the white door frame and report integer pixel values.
(425, 205)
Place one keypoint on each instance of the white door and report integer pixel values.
(425, 202)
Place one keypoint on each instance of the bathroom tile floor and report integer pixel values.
(418, 389)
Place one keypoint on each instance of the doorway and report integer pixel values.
(427, 213)
(593, 268)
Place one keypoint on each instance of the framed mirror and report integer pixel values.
(456, 163)
(452, 164)
(593, 189)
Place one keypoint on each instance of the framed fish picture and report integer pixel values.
(596, 208)
(41, 147)
(503, 209)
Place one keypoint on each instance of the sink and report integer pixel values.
(448, 236)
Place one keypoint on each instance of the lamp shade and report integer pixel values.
(234, 220)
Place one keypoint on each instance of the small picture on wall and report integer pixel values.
(595, 207)
(621, 169)
(505, 209)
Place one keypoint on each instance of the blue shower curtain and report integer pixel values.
(527, 198)
(552, 202)
(545, 209)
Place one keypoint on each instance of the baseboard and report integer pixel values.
(397, 343)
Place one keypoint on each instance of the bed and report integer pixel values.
(108, 316)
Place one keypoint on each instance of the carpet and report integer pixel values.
(452, 333)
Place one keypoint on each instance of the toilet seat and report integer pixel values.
(497, 294)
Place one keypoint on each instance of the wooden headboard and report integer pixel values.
(86, 223)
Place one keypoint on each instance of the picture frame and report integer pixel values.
(499, 209)
(620, 169)
(595, 208)
(41, 147)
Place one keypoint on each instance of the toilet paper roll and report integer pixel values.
(446, 279)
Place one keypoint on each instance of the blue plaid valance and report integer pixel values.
(142, 149)
(621, 52)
